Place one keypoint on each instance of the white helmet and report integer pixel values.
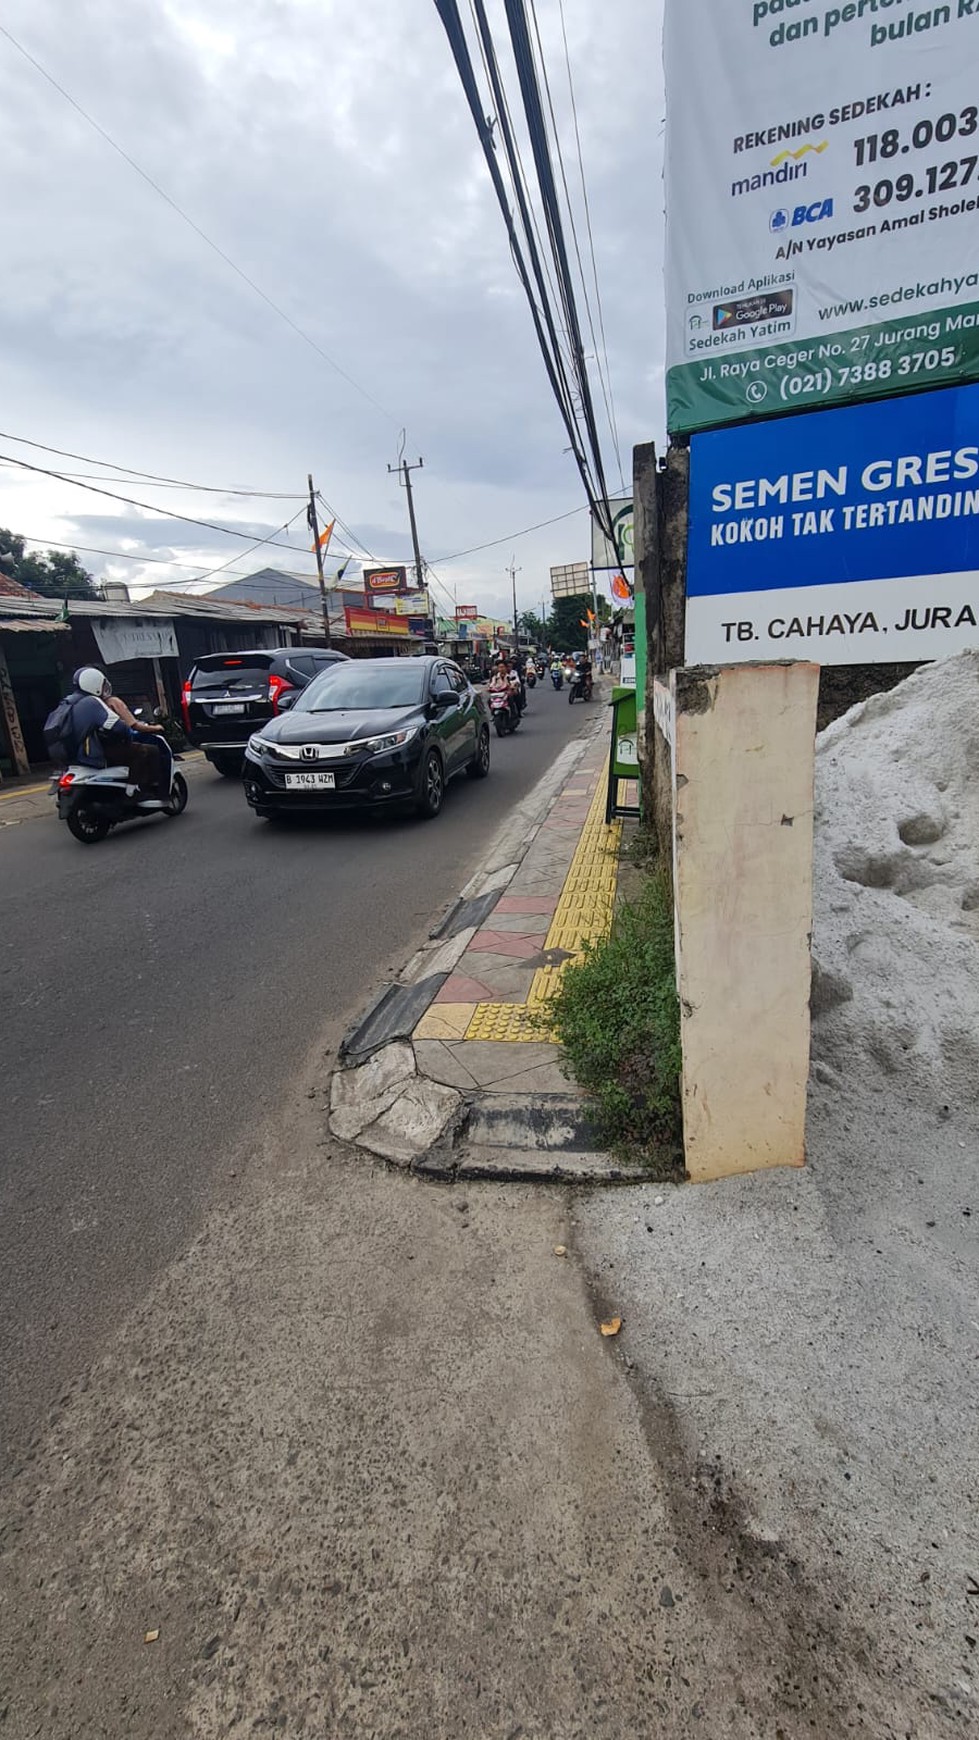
(90, 681)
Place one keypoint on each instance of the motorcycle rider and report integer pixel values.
(506, 682)
(96, 715)
(583, 675)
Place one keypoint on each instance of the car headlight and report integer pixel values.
(259, 746)
(376, 745)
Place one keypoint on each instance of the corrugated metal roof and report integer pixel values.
(28, 627)
(165, 604)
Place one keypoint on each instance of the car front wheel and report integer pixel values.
(431, 788)
(479, 766)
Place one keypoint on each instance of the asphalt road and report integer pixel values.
(161, 994)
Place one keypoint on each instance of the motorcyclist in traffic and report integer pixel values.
(98, 715)
(506, 681)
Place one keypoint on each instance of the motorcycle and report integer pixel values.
(93, 800)
(530, 678)
(581, 688)
(557, 678)
(505, 712)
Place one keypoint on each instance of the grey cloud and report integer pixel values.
(326, 146)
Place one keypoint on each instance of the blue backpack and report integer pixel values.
(59, 732)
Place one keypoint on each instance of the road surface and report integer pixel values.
(161, 993)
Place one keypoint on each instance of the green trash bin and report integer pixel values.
(623, 755)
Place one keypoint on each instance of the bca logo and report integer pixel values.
(812, 214)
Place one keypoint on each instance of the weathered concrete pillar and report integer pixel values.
(11, 719)
(744, 770)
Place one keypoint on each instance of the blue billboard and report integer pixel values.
(847, 537)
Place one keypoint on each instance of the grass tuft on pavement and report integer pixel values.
(617, 1017)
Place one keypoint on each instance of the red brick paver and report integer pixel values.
(460, 989)
(528, 904)
(505, 942)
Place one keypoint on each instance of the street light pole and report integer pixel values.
(314, 527)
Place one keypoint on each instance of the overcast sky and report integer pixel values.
(324, 145)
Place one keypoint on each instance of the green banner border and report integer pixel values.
(695, 405)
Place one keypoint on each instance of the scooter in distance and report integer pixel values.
(505, 711)
(557, 677)
(93, 800)
(581, 688)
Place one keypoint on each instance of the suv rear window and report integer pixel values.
(224, 671)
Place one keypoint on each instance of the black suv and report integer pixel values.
(228, 696)
(375, 733)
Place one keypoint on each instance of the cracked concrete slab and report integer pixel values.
(436, 1060)
(359, 1096)
(490, 1060)
(413, 1124)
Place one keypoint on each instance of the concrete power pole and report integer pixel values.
(314, 527)
(513, 571)
(405, 470)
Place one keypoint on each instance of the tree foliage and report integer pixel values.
(564, 630)
(55, 574)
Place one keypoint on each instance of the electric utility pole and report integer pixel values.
(513, 571)
(313, 523)
(404, 471)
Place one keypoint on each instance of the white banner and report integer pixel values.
(822, 193)
(121, 638)
(605, 554)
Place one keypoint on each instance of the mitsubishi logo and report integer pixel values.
(310, 752)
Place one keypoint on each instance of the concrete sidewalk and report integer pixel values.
(454, 1071)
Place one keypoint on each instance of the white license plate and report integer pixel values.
(229, 707)
(311, 781)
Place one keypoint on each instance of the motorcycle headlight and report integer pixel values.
(390, 740)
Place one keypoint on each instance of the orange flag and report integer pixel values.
(324, 538)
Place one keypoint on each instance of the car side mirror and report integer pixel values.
(288, 700)
(444, 698)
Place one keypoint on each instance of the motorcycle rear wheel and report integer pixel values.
(178, 797)
(86, 825)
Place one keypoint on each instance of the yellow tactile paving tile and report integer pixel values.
(508, 1023)
(445, 1021)
(583, 914)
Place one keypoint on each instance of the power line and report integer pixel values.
(198, 231)
(148, 507)
(162, 561)
(603, 372)
(118, 555)
(591, 243)
(541, 313)
(570, 386)
(152, 476)
(494, 542)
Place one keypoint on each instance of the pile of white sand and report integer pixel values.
(896, 962)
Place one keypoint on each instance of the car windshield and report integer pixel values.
(362, 687)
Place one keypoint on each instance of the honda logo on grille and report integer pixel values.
(310, 752)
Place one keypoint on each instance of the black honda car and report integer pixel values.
(227, 696)
(370, 733)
